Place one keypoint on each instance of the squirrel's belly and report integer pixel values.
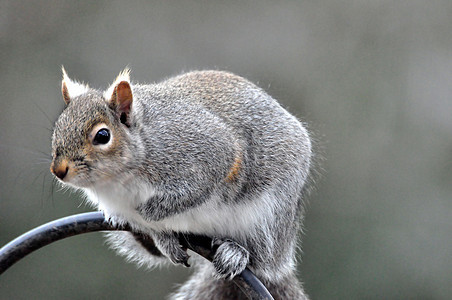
(214, 217)
(217, 218)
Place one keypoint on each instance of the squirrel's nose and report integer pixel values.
(60, 170)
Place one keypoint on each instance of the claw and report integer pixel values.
(180, 257)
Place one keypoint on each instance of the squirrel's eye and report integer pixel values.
(102, 137)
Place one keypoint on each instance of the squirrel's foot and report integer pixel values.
(230, 258)
(169, 245)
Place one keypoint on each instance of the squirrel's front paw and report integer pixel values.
(169, 245)
(230, 258)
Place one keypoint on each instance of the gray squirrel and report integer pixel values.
(206, 152)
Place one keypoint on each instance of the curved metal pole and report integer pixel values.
(95, 221)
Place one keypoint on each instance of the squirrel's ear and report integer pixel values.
(120, 96)
(71, 88)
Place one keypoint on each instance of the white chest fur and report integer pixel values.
(119, 202)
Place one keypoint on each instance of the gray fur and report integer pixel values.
(207, 153)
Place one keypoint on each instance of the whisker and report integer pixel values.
(36, 178)
(43, 112)
(52, 188)
(42, 189)
(44, 162)
(45, 192)
(16, 148)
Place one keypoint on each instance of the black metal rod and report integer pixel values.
(95, 221)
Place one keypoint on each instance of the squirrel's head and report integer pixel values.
(89, 142)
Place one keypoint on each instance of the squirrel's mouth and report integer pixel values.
(66, 173)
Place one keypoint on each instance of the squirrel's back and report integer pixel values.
(268, 140)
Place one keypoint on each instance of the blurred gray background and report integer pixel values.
(371, 78)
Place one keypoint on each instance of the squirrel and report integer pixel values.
(205, 152)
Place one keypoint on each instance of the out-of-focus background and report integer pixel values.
(371, 78)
